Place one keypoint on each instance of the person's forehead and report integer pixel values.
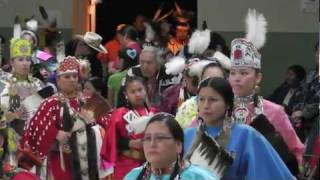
(158, 127)
(139, 18)
(147, 55)
(69, 74)
(240, 68)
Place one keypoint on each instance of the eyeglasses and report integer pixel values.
(147, 140)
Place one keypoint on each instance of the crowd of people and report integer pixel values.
(159, 101)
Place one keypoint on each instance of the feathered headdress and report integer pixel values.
(256, 28)
(17, 28)
(31, 30)
(175, 65)
(245, 51)
(222, 59)
(150, 34)
(199, 42)
(32, 24)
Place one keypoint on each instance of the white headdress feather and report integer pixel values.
(17, 31)
(199, 41)
(175, 65)
(222, 59)
(256, 28)
(149, 32)
(195, 69)
(32, 25)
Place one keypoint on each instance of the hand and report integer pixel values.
(135, 144)
(63, 136)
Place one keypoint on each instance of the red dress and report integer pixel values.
(40, 137)
(118, 131)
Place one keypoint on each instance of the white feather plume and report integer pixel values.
(149, 32)
(16, 31)
(222, 59)
(199, 41)
(175, 65)
(256, 27)
(32, 25)
(195, 69)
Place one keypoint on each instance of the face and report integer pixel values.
(291, 77)
(44, 73)
(182, 33)
(68, 83)
(88, 89)
(136, 93)
(243, 80)
(83, 49)
(159, 146)
(149, 65)
(21, 65)
(212, 72)
(212, 107)
(138, 23)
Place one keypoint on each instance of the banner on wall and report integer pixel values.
(309, 6)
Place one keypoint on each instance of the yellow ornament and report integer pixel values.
(20, 47)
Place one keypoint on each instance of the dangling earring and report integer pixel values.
(178, 158)
(256, 89)
(228, 120)
(127, 101)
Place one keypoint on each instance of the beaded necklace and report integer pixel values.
(159, 172)
(241, 112)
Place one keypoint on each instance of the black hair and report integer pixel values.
(210, 65)
(71, 47)
(316, 47)
(223, 87)
(299, 71)
(217, 42)
(98, 85)
(134, 18)
(177, 133)
(129, 59)
(52, 37)
(131, 79)
(194, 79)
(129, 31)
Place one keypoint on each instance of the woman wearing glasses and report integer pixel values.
(163, 148)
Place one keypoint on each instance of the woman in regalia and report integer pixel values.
(63, 139)
(122, 145)
(230, 150)
(266, 117)
(15, 87)
(163, 148)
